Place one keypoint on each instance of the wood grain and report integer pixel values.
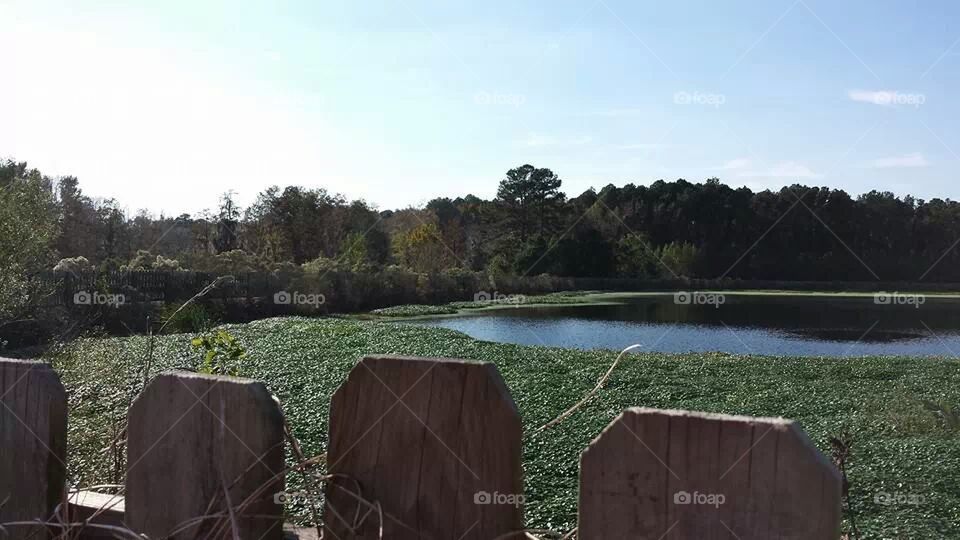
(33, 443)
(96, 510)
(437, 442)
(677, 474)
(190, 435)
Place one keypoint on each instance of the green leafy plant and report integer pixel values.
(222, 354)
(944, 411)
(413, 310)
(193, 318)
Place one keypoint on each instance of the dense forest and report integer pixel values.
(665, 229)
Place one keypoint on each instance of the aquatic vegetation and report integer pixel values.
(304, 360)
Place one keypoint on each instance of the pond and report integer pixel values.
(768, 324)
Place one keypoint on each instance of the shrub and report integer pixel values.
(74, 265)
(236, 261)
(195, 317)
(222, 354)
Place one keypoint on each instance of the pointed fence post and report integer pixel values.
(436, 442)
(33, 445)
(205, 458)
(679, 474)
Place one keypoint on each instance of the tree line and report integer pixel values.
(661, 230)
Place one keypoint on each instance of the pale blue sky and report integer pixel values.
(164, 105)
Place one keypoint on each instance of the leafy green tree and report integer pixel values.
(234, 262)
(585, 252)
(112, 231)
(535, 257)
(679, 257)
(28, 229)
(530, 197)
(498, 266)
(636, 258)
(354, 251)
(421, 249)
(228, 220)
(78, 220)
(164, 263)
(705, 229)
(143, 260)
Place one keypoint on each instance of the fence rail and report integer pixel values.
(418, 448)
(62, 288)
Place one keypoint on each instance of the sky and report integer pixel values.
(166, 105)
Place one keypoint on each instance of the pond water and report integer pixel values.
(791, 325)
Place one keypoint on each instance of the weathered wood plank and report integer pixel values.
(189, 436)
(678, 474)
(99, 511)
(33, 444)
(437, 442)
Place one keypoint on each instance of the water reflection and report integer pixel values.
(754, 324)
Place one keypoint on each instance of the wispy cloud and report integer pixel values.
(912, 160)
(538, 140)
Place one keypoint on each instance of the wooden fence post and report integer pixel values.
(678, 474)
(436, 442)
(33, 444)
(199, 445)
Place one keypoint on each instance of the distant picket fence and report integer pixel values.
(417, 448)
(60, 288)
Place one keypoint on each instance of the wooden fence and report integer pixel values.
(60, 288)
(418, 448)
